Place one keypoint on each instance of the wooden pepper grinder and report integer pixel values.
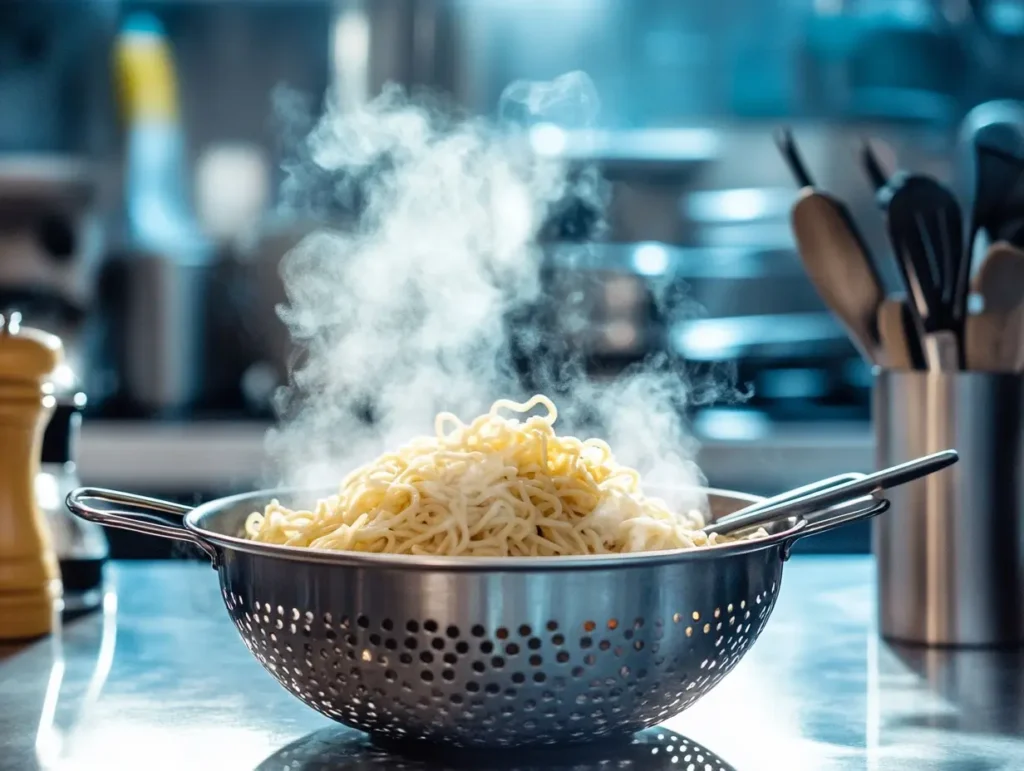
(29, 573)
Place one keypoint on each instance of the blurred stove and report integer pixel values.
(697, 268)
(714, 307)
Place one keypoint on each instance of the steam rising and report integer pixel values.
(404, 311)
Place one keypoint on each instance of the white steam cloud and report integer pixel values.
(428, 298)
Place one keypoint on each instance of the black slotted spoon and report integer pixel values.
(925, 227)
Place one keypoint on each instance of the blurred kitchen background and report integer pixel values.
(140, 158)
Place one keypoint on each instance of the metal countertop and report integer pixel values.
(161, 680)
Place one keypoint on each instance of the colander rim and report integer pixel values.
(193, 521)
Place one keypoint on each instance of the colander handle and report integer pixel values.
(149, 515)
(792, 495)
(843, 514)
(835, 516)
(831, 494)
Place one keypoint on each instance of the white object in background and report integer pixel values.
(350, 55)
(232, 188)
(651, 259)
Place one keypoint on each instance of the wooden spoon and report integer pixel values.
(840, 268)
(993, 337)
(985, 342)
(1000, 278)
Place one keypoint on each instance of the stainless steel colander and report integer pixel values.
(485, 651)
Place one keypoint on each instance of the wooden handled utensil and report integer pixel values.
(991, 336)
(984, 342)
(835, 257)
(1013, 340)
(999, 279)
(901, 347)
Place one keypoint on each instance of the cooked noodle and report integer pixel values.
(495, 487)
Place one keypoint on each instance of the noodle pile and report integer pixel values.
(495, 487)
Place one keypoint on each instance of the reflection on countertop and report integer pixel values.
(655, 749)
(161, 679)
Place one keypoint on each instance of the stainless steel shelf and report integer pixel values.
(217, 455)
(186, 457)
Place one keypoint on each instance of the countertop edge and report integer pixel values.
(222, 455)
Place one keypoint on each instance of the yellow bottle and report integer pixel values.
(30, 583)
(147, 84)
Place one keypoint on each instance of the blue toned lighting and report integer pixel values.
(548, 139)
(650, 259)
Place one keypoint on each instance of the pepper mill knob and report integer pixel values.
(29, 573)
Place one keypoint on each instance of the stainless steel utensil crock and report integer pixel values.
(951, 559)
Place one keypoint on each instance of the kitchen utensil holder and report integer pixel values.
(950, 558)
